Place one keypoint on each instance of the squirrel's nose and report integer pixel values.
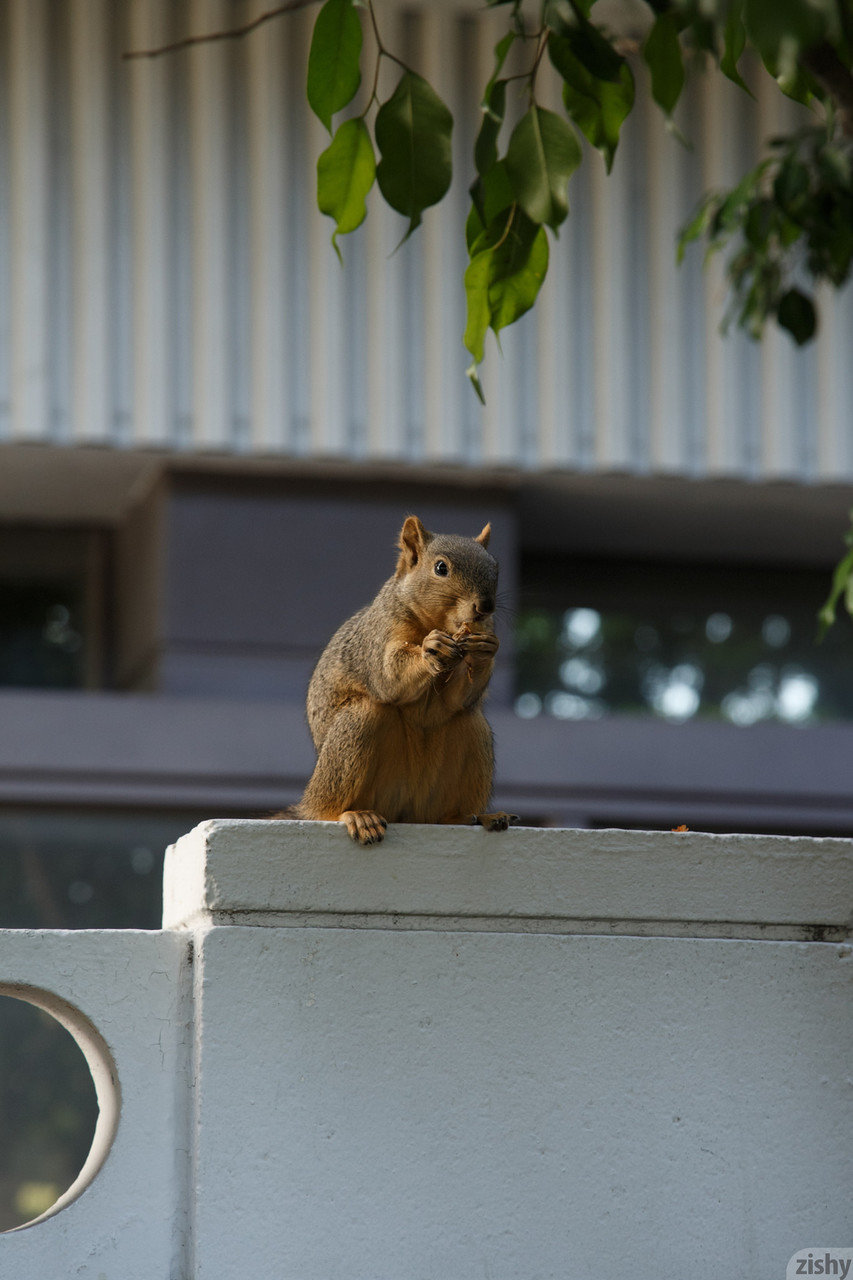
(484, 606)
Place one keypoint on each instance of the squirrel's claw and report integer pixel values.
(441, 652)
(495, 821)
(480, 645)
(365, 826)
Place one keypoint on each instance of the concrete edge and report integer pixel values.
(245, 871)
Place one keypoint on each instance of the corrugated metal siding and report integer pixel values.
(166, 280)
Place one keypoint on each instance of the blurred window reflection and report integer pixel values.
(84, 870)
(734, 644)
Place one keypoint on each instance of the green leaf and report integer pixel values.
(703, 30)
(486, 146)
(781, 30)
(517, 284)
(474, 225)
(473, 375)
(589, 46)
(699, 225)
(333, 71)
(598, 107)
(543, 154)
(791, 184)
(504, 276)
(506, 271)
(492, 192)
(834, 165)
(559, 14)
(345, 174)
(662, 52)
(413, 135)
(502, 48)
(796, 313)
(759, 223)
(477, 297)
(842, 585)
(796, 84)
(731, 211)
(734, 43)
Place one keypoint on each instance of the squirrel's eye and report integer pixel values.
(440, 567)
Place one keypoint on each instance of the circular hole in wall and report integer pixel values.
(58, 1104)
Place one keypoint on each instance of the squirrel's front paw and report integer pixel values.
(495, 821)
(479, 646)
(365, 826)
(441, 652)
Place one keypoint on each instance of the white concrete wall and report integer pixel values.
(130, 1223)
(537, 1054)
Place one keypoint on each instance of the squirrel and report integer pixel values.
(394, 703)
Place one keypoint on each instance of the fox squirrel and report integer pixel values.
(394, 701)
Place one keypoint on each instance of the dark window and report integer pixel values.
(78, 870)
(734, 644)
(52, 608)
(42, 639)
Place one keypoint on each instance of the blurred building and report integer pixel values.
(210, 433)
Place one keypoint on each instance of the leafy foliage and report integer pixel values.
(789, 220)
(731, 644)
(509, 258)
(792, 216)
(598, 106)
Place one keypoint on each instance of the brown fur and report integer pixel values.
(394, 704)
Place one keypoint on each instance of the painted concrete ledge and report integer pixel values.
(525, 880)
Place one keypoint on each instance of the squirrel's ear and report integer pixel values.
(484, 535)
(413, 540)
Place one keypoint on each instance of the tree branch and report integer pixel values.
(235, 33)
